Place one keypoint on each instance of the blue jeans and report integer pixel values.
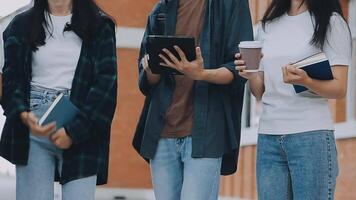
(35, 181)
(299, 166)
(178, 176)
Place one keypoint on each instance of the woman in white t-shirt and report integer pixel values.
(297, 156)
(59, 49)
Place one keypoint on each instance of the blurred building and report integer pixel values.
(128, 170)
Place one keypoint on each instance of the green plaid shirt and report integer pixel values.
(94, 92)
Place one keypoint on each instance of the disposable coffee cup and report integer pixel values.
(251, 53)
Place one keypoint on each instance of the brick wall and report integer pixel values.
(127, 169)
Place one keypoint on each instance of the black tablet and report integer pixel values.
(155, 45)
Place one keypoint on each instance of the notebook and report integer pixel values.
(155, 45)
(62, 111)
(317, 67)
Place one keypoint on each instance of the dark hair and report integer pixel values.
(85, 20)
(321, 10)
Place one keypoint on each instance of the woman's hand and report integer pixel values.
(61, 139)
(194, 69)
(240, 66)
(145, 64)
(330, 89)
(31, 121)
(152, 78)
(294, 75)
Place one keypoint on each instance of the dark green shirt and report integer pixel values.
(94, 91)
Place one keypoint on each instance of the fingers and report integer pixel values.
(238, 56)
(181, 54)
(166, 63)
(48, 129)
(240, 68)
(171, 56)
(239, 62)
(284, 71)
(290, 69)
(199, 54)
(61, 139)
(145, 63)
(285, 74)
(56, 140)
(298, 71)
(243, 73)
(292, 75)
(31, 118)
(55, 136)
(43, 130)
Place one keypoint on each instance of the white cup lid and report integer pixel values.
(250, 44)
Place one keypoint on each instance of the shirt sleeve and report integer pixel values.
(338, 44)
(258, 35)
(97, 112)
(239, 29)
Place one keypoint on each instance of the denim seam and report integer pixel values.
(329, 166)
(283, 151)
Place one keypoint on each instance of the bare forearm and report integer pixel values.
(333, 89)
(220, 76)
(257, 86)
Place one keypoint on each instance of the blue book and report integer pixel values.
(317, 67)
(62, 111)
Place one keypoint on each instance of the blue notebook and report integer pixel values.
(62, 111)
(317, 67)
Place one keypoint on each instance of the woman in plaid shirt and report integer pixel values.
(59, 46)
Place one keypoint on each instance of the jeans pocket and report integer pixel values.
(35, 104)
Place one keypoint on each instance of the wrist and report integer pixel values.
(24, 116)
(308, 82)
(204, 76)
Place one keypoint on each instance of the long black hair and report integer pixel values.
(321, 10)
(86, 16)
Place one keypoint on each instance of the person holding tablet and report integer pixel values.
(189, 129)
(296, 156)
(68, 47)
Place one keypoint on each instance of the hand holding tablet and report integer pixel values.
(161, 49)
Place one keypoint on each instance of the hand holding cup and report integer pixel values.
(241, 67)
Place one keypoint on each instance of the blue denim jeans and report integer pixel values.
(299, 166)
(178, 176)
(35, 181)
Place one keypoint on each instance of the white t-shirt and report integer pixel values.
(54, 64)
(286, 40)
